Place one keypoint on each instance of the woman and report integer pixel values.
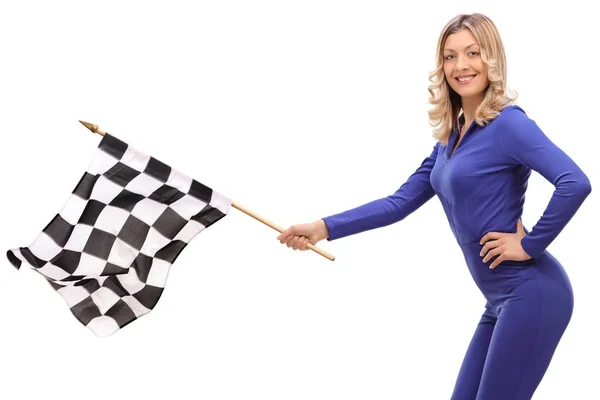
(486, 148)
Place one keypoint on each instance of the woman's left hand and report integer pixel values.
(507, 246)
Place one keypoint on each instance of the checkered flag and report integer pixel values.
(109, 250)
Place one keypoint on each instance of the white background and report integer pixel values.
(296, 110)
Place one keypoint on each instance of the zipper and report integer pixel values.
(444, 188)
(451, 156)
(450, 214)
(448, 160)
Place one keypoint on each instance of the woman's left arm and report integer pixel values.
(525, 143)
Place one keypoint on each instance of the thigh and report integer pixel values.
(529, 327)
(467, 382)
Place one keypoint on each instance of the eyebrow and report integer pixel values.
(471, 45)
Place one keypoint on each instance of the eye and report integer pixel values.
(448, 57)
(474, 53)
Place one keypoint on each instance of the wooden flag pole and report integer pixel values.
(95, 129)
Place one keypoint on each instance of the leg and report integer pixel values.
(471, 369)
(530, 325)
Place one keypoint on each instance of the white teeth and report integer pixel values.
(464, 79)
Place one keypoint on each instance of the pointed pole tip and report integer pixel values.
(91, 127)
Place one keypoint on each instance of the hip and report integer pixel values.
(502, 282)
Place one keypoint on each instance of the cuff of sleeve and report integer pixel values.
(330, 229)
(530, 248)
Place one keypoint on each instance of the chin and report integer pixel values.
(467, 92)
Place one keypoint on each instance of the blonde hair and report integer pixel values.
(446, 102)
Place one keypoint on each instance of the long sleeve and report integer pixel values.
(524, 143)
(415, 192)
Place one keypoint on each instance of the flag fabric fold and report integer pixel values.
(109, 250)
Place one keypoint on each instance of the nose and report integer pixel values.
(461, 63)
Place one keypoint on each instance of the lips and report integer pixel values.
(464, 79)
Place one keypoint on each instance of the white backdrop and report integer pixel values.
(296, 110)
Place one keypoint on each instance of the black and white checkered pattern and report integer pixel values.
(109, 250)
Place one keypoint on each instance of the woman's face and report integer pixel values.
(465, 71)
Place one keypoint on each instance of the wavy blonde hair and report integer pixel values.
(445, 101)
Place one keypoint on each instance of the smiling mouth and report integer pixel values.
(465, 79)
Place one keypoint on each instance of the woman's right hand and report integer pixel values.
(299, 236)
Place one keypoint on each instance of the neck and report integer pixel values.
(469, 106)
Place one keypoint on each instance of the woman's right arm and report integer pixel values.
(415, 192)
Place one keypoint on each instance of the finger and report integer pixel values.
(289, 234)
(520, 227)
(493, 253)
(284, 235)
(298, 243)
(293, 241)
(488, 246)
(491, 236)
(286, 239)
(497, 261)
(304, 245)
